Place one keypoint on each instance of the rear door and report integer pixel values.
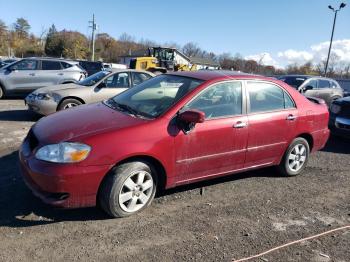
(111, 86)
(50, 73)
(272, 116)
(217, 145)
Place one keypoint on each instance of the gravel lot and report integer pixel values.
(235, 217)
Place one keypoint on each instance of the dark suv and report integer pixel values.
(315, 86)
(91, 67)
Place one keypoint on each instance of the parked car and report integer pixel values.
(28, 74)
(315, 86)
(91, 67)
(95, 88)
(339, 121)
(173, 129)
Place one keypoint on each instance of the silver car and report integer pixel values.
(95, 88)
(26, 75)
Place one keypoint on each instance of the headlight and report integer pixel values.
(63, 152)
(335, 109)
(43, 96)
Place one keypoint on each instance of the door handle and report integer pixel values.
(291, 117)
(240, 124)
(60, 74)
(32, 74)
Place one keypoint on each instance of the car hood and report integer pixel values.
(51, 89)
(82, 121)
(344, 100)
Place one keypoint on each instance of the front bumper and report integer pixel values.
(340, 125)
(62, 185)
(42, 107)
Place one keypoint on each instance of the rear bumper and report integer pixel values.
(320, 138)
(62, 185)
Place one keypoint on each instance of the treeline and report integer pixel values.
(17, 40)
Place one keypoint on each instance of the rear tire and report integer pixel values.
(295, 158)
(69, 103)
(128, 189)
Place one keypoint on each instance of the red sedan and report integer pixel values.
(171, 130)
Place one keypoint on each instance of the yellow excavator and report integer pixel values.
(159, 60)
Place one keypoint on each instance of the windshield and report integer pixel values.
(93, 79)
(293, 81)
(155, 96)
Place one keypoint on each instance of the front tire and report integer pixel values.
(295, 158)
(128, 189)
(68, 103)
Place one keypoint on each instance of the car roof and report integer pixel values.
(115, 70)
(217, 74)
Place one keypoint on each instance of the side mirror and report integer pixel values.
(306, 88)
(187, 120)
(192, 116)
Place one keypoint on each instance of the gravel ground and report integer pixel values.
(234, 217)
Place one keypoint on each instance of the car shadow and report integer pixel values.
(19, 115)
(336, 144)
(20, 208)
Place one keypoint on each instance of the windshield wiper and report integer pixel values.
(126, 108)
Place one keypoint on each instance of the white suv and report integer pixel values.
(28, 74)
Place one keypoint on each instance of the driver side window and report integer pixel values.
(220, 100)
(119, 80)
(25, 65)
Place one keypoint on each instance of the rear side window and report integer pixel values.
(50, 65)
(333, 84)
(323, 83)
(66, 65)
(220, 100)
(265, 97)
(288, 102)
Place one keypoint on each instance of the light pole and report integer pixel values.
(342, 5)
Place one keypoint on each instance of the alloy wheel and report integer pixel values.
(297, 157)
(136, 191)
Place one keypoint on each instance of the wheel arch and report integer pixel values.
(161, 172)
(70, 97)
(308, 137)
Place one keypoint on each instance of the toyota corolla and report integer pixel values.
(171, 130)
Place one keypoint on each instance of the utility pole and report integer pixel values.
(94, 27)
(342, 5)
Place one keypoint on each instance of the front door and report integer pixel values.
(218, 145)
(271, 118)
(111, 86)
(23, 76)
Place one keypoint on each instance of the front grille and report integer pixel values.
(342, 126)
(32, 140)
(345, 111)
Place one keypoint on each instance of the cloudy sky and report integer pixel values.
(277, 32)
